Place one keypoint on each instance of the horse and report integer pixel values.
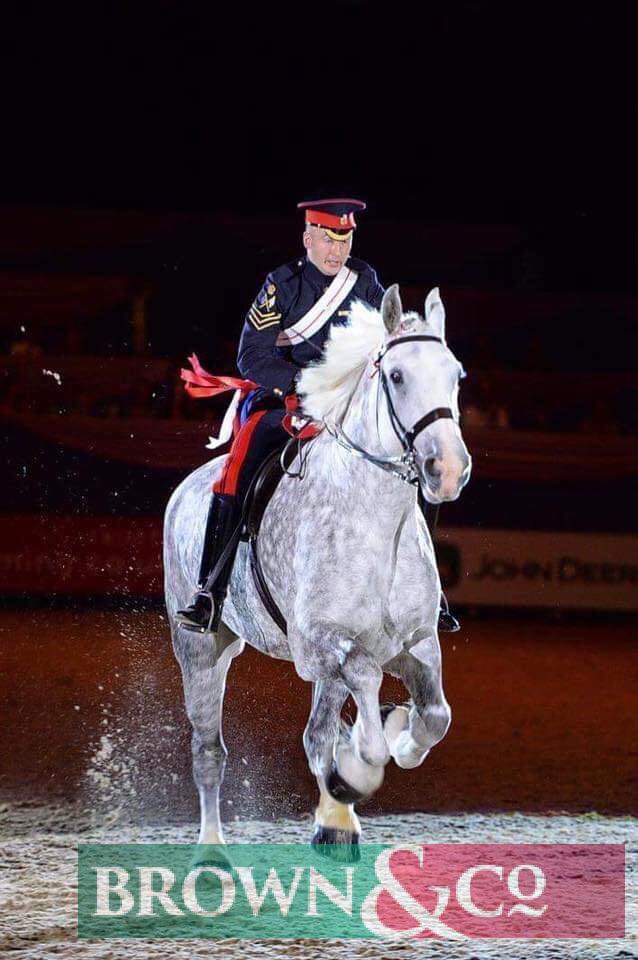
(349, 561)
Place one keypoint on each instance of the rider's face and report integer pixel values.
(326, 254)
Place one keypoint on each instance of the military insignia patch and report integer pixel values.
(263, 312)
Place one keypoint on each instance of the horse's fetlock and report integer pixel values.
(208, 748)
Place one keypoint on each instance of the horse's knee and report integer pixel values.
(374, 752)
(209, 755)
(431, 723)
(436, 719)
(358, 669)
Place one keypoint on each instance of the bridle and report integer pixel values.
(403, 467)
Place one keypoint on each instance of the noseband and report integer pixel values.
(404, 466)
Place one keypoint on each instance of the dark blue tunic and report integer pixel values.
(286, 296)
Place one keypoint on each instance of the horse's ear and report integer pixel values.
(435, 312)
(391, 308)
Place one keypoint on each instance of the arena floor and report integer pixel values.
(38, 917)
(543, 719)
(94, 745)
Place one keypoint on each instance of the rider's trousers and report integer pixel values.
(259, 436)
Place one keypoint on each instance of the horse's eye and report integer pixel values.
(396, 376)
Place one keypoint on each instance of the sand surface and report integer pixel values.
(38, 851)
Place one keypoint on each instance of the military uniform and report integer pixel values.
(287, 295)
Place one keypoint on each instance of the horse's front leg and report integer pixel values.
(411, 732)
(338, 666)
(336, 823)
(204, 662)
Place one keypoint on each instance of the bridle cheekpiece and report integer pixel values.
(403, 467)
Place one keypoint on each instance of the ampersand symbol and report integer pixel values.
(389, 883)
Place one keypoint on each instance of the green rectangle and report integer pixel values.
(308, 895)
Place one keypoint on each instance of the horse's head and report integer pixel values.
(419, 376)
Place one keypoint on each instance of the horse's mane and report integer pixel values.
(327, 385)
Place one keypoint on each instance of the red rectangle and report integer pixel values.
(502, 890)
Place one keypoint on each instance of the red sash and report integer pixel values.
(200, 383)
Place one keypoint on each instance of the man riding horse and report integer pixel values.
(285, 330)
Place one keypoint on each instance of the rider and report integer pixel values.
(285, 329)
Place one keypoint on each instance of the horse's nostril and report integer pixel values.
(431, 468)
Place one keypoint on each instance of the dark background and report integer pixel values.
(169, 142)
(157, 150)
(471, 111)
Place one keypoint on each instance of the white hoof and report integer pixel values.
(406, 751)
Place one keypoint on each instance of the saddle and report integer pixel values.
(257, 499)
(263, 486)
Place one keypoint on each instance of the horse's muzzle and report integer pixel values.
(442, 480)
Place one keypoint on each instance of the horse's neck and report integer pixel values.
(360, 420)
(385, 499)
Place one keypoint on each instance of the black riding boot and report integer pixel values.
(205, 609)
(447, 621)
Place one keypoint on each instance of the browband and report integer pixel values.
(414, 336)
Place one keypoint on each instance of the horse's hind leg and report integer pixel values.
(427, 721)
(204, 661)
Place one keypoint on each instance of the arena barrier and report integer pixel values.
(121, 556)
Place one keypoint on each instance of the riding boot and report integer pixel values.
(205, 609)
(447, 621)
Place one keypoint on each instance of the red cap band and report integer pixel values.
(344, 222)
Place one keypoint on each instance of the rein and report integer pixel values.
(403, 467)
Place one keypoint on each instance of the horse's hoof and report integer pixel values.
(211, 855)
(340, 845)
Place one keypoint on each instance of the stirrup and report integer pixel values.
(198, 620)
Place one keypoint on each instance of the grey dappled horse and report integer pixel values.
(349, 561)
